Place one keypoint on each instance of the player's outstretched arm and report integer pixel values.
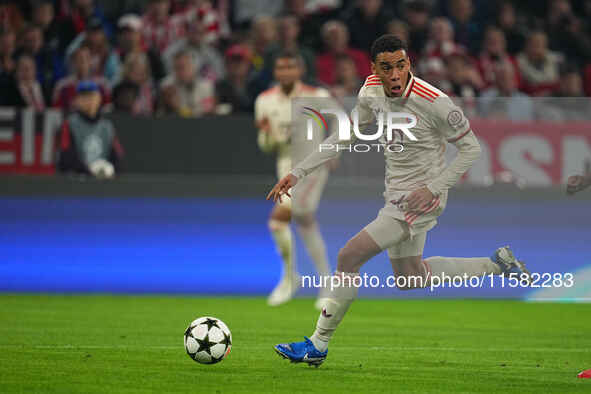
(576, 183)
(282, 188)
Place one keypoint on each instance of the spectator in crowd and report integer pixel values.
(104, 59)
(195, 96)
(130, 41)
(7, 52)
(56, 35)
(567, 33)
(83, 11)
(502, 100)
(212, 19)
(567, 103)
(136, 70)
(467, 30)
(494, 52)
(464, 80)
(416, 14)
(336, 42)
(23, 90)
(289, 30)
(514, 31)
(87, 141)
(232, 92)
(48, 61)
(347, 82)
(441, 40)
(539, 67)
(434, 71)
(80, 70)
(125, 96)
(311, 16)
(245, 11)
(208, 62)
(366, 21)
(400, 29)
(463, 75)
(264, 36)
(159, 28)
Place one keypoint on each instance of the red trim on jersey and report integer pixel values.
(426, 93)
(412, 84)
(411, 217)
(428, 90)
(459, 137)
(373, 76)
(271, 90)
(373, 84)
(428, 98)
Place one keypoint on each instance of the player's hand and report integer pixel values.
(282, 187)
(575, 184)
(264, 125)
(419, 199)
(333, 164)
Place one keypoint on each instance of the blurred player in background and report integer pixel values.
(577, 183)
(274, 120)
(417, 183)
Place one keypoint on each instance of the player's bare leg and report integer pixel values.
(419, 273)
(310, 234)
(283, 237)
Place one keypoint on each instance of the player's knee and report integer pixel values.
(275, 225)
(304, 219)
(281, 214)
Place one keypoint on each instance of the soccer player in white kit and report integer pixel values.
(274, 121)
(417, 183)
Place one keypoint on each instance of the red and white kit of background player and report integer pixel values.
(274, 121)
(417, 183)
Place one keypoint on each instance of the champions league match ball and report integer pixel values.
(208, 340)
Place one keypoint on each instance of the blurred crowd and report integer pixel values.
(198, 57)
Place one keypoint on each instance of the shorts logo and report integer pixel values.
(454, 118)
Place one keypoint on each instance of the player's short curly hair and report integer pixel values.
(387, 43)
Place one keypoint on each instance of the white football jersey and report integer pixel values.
(439, 121)
(420, 162)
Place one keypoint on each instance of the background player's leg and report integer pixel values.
(458, 266)
(308, 230)
(377, 236)
(282, 235)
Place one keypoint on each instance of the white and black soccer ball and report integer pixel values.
(208, 340)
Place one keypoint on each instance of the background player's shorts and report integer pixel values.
(308, 192)
(395, 236)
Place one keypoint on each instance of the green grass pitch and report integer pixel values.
(133, 344)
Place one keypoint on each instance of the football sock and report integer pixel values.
(282, 236)
(316, 248)
(458, 266)
(340, 297)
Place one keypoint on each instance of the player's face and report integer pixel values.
(287, 71)
(393, 68)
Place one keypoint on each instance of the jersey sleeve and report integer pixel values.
(264, 140)
(450, 119)
(330, 148)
